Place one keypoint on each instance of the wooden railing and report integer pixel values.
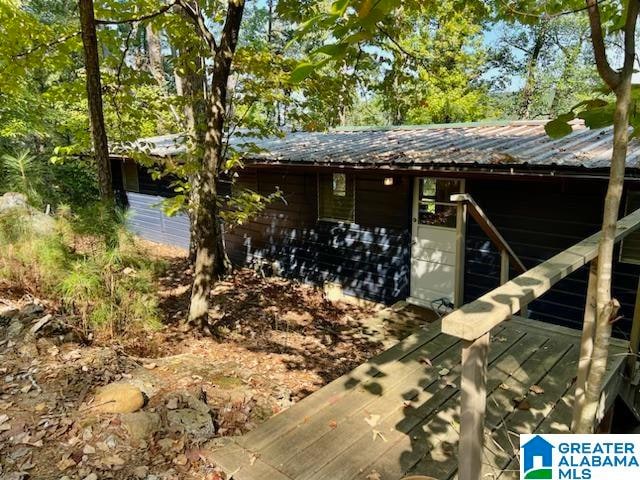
(473, 323)
(466, 204)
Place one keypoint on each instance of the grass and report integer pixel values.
(88, 265)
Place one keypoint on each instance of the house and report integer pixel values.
(370, 209)
(538, 453)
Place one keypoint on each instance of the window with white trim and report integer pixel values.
(336, 197)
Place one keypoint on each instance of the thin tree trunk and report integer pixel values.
(606, 307)
(94, 99)
(211, 261)
(154, 52)
(562, 89)
(532, 65)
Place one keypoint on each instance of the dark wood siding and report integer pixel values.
(539, 220)
(369, 257)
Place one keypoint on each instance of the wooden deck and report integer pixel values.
(398, 413)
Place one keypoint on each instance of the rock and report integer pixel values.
(8, 312)
(41, 323)
(31, 309)
(16, 205)
(14, 328)
(297, 318)
(141, 425)
(11, 200)
(195, 424)
(118, 398)
(91, 476)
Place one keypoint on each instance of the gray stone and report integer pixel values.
(31, 309)
(8, 312)
(141, 425)
(16, 205)
(14, 328)
(196, 424)
(11, 200)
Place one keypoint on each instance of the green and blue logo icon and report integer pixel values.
(537, 459)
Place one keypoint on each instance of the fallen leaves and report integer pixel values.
(537, 389)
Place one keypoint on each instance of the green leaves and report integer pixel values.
(302, 71)
(557, 128)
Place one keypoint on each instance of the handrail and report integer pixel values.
(473, 322)
(489, 228)
(476, 318)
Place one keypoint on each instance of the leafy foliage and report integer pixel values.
(106, 283)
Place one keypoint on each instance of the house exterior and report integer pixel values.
(370, 209)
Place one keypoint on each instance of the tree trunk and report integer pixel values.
(154, 52)
(94, 98)
(532, 65)
(211, 261)
(606, 307)
(562, 89)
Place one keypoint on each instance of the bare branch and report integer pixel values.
(608, 74)
(137, 19)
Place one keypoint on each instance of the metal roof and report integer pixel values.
(473, 144)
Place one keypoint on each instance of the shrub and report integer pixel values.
(89, 265)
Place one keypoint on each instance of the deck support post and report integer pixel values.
(634, 340)
(473, 403)
(461, 226)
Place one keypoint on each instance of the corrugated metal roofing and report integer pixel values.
(494, 143)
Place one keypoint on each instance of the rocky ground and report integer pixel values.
(152, 406)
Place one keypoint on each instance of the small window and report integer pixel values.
(630, 246)
(435, 208)
(130, 176)
(336, 194)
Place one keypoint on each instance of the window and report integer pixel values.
(630, 246)
(336, 197)
(130, 176)
(434, 207)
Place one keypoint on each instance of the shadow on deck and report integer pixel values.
(398, 414)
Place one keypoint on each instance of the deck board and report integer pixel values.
(399, 412)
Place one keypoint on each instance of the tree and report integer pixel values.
(602, 309)
(595, 343)
(94, 99)
(552, 58)
(211, 261)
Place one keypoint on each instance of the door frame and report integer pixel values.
(460, 230)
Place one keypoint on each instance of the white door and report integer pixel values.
(433, 250)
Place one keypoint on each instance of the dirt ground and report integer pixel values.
(272, 342)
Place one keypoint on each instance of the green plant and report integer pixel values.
(23, 173)
(94, 272)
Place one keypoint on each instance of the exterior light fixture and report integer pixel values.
(388, 181)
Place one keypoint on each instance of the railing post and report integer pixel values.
(473, 403)
(634, 340)
(461, 226)
(504, 267)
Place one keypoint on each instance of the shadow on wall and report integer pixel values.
(369, 262)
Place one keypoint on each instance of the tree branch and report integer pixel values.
(48, 45)
(629, 37)
(608, 74)
(195, 13)
(141, 18)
